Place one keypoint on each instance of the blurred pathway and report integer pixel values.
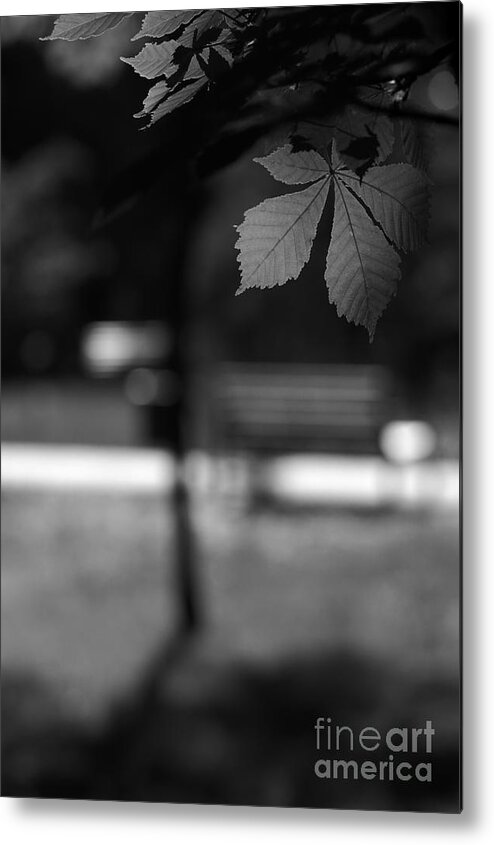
(299, 479)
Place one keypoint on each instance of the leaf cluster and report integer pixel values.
(323, 91)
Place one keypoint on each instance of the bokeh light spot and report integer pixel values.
(443, 91)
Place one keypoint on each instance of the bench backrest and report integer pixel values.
(279, 408)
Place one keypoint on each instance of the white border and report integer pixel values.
(77, 822)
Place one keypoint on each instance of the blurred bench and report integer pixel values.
(256, 409)
(288, 408)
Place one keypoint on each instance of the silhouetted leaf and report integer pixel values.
(358, 123)
(165, 24)
(414, 143)
(276, 237)
(294, 168)
(177, 97)
(78, 27)
(362, 134)
(398, 197)
(362, 269)
(154, 96)
(385, 208)
(224, 52)
(154, 59)
(216, 61)
(363, 149)
(198, 52)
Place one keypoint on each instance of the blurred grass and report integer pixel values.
(68, 411)
(308, 613)
(88, 587)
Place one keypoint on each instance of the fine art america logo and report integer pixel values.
(336, 742)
